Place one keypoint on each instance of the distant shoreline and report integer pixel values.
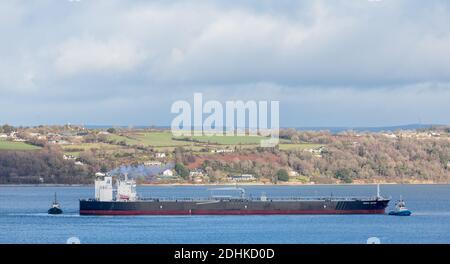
(224, 184)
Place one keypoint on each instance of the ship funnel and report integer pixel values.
(378, 191)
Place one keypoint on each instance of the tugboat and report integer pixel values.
(55, 208)
(400, 209)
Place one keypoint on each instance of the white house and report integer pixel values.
(3, 136)
(152, 163)
(222, 150)
(69, 157)
(160, 155)
(293, 173)
(389, 135)
(168, 172)
(319, 151)
(196, 173)
(197, 179)
(243, 177)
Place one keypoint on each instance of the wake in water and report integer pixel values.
(66, 215)
(44, 214)
(428, 213)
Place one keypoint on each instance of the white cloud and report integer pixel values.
(328, 44)
(89, 55)
(88, 52)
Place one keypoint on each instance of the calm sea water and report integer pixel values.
(23, 218)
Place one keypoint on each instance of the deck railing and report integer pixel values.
(334, 198)
(269, 199)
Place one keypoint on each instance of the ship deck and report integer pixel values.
(237, 199)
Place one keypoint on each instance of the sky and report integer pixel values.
(328, 63)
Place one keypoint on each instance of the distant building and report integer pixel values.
(242, 178)
(198, 179)
(389, 135)
(434, 134)
(3, 136)
(69, 157)
(317, 152)
(196, 173)
(167, 172)
(222, 150)
(160, 155)
(293, 173)
(79, 163)
(152, 163)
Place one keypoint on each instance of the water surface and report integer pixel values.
(23, 218)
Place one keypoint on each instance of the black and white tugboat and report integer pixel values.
(55, 209)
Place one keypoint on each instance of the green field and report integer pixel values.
(228, 140)
(160, 139)
(119, 138)
(300, 146)
(75, 149)
(155, 139)
(11, 145)
(166, 139)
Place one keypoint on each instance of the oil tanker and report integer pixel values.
(123, 200)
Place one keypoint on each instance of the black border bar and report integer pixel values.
(165, 253)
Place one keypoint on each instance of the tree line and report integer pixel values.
(43, 166)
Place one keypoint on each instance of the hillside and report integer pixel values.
(29, 155)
